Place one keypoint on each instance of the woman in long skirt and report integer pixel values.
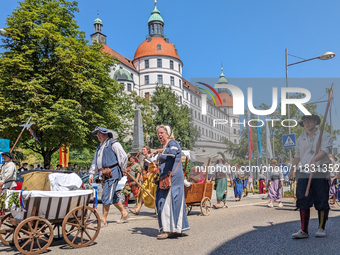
(170, 203)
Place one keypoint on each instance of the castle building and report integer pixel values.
(156, 61)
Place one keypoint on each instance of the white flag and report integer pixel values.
(269, 152)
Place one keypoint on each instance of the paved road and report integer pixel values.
(247, 227)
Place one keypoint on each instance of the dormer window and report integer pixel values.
(159, 47)
(224, 101)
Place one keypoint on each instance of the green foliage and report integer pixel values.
(168, 110)
(50, 73)
(13, 198)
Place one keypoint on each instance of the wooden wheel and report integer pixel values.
(33, 235)
(206, 206)
(188, 208)
(6, 230)
(81, 226)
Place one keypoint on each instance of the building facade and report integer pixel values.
(156, 61)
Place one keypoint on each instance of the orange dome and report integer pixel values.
(150, 47)
(226, 99)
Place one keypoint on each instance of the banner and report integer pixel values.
(64, 153)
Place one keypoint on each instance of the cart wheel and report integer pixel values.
(206, 206)
(30, 235)
(189, 208)
(81, 226)
(6, 230)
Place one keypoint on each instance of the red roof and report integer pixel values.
(224, 97)
(191, 87)
(122, 59)
(150, 48)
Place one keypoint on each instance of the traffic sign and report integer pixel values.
(285, 169)
(288, 141)
(4, 147)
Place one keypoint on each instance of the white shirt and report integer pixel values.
(98, 157)
(8, 173)
(305, 148)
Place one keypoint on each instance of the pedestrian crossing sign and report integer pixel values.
(288, 141)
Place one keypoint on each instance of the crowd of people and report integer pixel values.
(157, 180)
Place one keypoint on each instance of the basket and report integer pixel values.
(36, 181)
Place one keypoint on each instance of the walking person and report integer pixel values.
(238, 183)
(149, 174)
(221, 183)
(111, 159)
(170, 202)
(262, 183)
(135, 172)
(275, 184)
(319, 190)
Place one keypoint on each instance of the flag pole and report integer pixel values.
(28, 124)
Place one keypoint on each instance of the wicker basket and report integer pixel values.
(36, 181)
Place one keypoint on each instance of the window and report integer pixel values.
(131, 75)
(205, 119)
(234, 131)
(224, 101)
(172, 80)
(146, 79)
(129, 86)
(186, 93)
(202, 131)
(180, 99)
(199, 116)
(195, 114)
(179, 67)
(191, 98)
(159, 47)
(160, 79)
(180, 84)
(194, 100)
(171, 64)
(209, 133)
(234, 141)
(206, 132)
(234, 121)
(146, 63)
(147, 95)
(159, 63)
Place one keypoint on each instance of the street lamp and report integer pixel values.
(327, 55)
(2, 31)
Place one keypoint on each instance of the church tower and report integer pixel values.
(98, 35)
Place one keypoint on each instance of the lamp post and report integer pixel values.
(327, 55)
(2, 31)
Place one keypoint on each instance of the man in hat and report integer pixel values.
(8, 172)
(111, 160)
(318, 164)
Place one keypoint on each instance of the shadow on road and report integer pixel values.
(153, 232)
(276, 239)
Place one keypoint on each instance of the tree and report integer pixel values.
(168, 110)
(50, 73)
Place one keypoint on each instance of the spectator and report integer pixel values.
(51, 167)
(59, 167)
(76, 169)
(47, 166)
(38, 167)
(31, 167)
(23, 167)
(69, 167)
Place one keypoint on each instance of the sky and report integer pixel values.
(248, 37)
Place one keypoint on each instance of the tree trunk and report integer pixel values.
(47, 157)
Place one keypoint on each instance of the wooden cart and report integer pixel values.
(48, 213)
(199, 194)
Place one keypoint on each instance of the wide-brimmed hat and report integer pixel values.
(112, 134)
(8, 154)
(273, 162)
(306, 117)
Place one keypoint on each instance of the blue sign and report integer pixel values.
(285, 169)
(288, 141)
(4, 147)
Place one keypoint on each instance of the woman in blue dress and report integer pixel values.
(170, 203)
